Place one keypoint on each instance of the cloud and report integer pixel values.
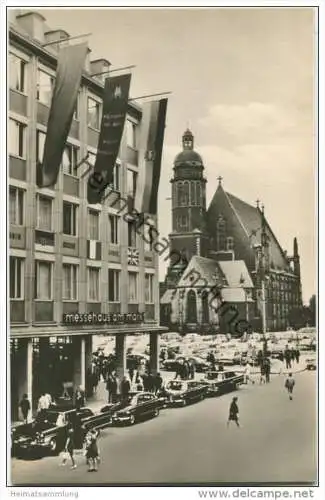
(255, 123)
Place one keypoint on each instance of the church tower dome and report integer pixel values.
(188, 235)
(188, 156)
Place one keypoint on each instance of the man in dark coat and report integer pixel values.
(267, 369)
(158, 382)
(125, 388)
(297, 355)
(287, 357)
(111, 387)
(151, 382)
(25, 407)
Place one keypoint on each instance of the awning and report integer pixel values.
(71, 330)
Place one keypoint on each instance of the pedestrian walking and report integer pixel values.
(262, 377)
(79, 399)
(267, 369)
(233, 412)
(69, 448)
(289, 385)
(158, 383)
(247, 374)
(287, 357)
(92, 452)
(125, 388)
(297, 354)
(151, 382)
(25, 407)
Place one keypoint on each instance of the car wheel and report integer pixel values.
(237, 386)
(156, 412)
(53, 446)
(132, 420)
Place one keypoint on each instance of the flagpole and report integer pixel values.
(149, 95)
(65, 39)
(113, 70)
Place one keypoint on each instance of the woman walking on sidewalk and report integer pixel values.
(92, 453)
(289, 385)
(233, 412)
(69, 448)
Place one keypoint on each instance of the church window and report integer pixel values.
(198, 194)
(230, 243)
(221, 234)
(184, 199)
(191, 308)
(193, 193)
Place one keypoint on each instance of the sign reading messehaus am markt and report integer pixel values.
(101, 319)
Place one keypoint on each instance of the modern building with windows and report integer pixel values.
(67, 256)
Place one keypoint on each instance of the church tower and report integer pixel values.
(188, 236)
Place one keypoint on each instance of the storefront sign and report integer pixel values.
(97, 319)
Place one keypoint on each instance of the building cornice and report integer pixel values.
(32, 47)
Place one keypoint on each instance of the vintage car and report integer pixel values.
(220, 382)
(200, 364)
(136, 407)
(47, 433)
(182, 392)
(311, 363)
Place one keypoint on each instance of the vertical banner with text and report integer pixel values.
(115, 105)
(150, 153)
(71, 61)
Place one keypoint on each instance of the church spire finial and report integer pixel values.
(188, 139)
(219, 179)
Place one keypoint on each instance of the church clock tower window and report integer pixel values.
(230, 243)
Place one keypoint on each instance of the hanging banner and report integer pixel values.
(150, 153)
(71, 62)
(115, 105)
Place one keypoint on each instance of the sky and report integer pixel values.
(243, 80)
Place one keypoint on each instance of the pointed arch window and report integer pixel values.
(191, 310)
(221, 234)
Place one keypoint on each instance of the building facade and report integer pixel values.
(66, 256)
(221, 248)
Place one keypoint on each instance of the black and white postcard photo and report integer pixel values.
(162, 250)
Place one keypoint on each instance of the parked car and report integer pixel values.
(182, 392)
(220, 382)
(136, 407)
(226, 357)
(47, 433)
(311, 363)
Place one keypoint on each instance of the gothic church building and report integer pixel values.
(227, 267)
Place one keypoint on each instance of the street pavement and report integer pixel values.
(276, 443)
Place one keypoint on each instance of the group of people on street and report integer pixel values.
(91, 449)
(291, 355)
(185, 369)
(135, 381)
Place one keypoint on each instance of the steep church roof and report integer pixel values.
(236, 273)
(248, 220)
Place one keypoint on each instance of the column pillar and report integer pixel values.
(83, 363)
(88, 360)
(154, 352)
(77, 361)
(120, 343)
(23, 369)
(44, 377)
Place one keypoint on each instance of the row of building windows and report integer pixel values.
(45, 85)
(44, 219)
(187, 193)
(70, 159)
(43, 289)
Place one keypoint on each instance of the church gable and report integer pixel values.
(251, 219)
